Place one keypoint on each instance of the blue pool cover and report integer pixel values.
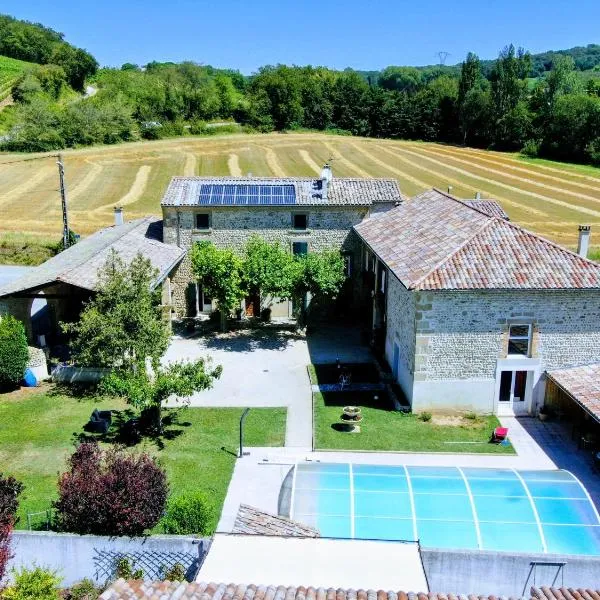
(448, 507)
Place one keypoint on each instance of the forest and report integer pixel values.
(545, 105)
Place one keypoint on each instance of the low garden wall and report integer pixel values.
(505, 574)
(95, 557)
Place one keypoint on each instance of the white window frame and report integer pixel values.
(527, 337)
(382, 281)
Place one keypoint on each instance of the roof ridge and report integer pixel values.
(463, 203)
(275, 178)
(454, 252)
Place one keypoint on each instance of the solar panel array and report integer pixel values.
(240, 194)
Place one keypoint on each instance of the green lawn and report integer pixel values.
(383, 428)
(38, 430)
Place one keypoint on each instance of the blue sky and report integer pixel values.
(360, 34)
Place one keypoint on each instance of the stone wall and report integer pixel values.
(329, 227)
(95, 557)
(401, 331)
(461, 335)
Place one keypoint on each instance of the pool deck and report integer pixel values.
(257, 477)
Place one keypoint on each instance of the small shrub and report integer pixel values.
(531, 148)
(14, 352)
(189, 514)
(471, 416)
(110, 493)
(125, 569)
(84, 590)
(10, 489)
(30, 584)
(425, 416)
(175, 573)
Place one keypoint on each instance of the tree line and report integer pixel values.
(543, 105)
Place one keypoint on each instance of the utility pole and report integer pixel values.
(63, 197)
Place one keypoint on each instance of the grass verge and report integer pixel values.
(384, 429)
(40, 428)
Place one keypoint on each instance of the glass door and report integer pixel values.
(512, 393)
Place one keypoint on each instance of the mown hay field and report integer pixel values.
(546, 197)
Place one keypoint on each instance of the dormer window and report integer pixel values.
(519, 340)
(300, 221)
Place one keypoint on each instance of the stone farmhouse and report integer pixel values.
(470, 310)
(473, 309)
(303, 214)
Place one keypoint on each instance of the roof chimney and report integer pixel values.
(326, 178)
(118, 215)
(584, 240)
(477, 195)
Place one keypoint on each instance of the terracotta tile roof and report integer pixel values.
(545, 593)
(79, 264)
(436, 242)
(166, 590)
(488, 206)
(582, 384)
(250, 520)
(185, 191)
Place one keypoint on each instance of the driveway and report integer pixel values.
(261, 368)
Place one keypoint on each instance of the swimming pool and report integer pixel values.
(446, 507)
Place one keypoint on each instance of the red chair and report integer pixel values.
(499, 435)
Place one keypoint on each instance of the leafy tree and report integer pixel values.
(350, 97)
(269, 269)
(220, 271)
(10, 489)
(401, 79)
(470, 75)
(14, 352)
(562, 79)
(319, 278)
(111, 492)
(470, 100)
(278, 96)
(573, 129)
(122, 324)
(508, 89)
(147, 392)
(77, 64)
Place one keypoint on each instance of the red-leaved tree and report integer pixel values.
(10, 489)
(110, 493)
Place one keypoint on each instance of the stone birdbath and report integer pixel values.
(350, 419)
